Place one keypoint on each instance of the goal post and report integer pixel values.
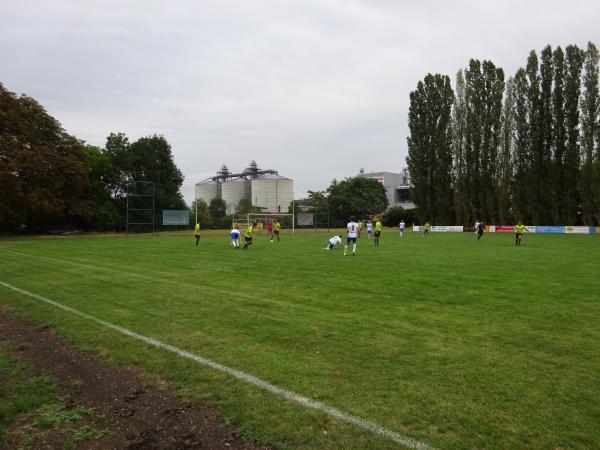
(262, 219)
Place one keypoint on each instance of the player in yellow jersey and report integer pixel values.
(377, 234)
(248, 236)
(519, 228)
(276, 229)
(197, 233)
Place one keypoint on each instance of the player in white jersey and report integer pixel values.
(477, 225)
(235, 237)
(369, 228)
(353, 231)
(333, 241)
(402, 228)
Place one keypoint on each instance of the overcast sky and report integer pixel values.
(315, 89)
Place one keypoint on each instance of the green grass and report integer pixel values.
(453, 342)
(20, 393)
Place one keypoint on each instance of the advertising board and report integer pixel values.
(505, 229)
(577, 230)
(305, 219)
(549, 229)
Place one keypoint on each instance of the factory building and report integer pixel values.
(397, 186)
(265, 189)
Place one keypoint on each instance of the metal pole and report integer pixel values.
(152, 207)
(127, 212)
(293, 215)
(196, 203)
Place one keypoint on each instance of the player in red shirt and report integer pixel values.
(270, 229)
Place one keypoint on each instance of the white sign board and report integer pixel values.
(305, 219)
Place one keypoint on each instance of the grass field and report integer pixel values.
(449, 341)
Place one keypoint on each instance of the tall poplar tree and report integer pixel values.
(590, 129)
(459, 171)
(505, 161)
(571, 161)
(429, 148)
(484, 91)
(559, 137)
(543, 153)
(521, 160)
(535, 206)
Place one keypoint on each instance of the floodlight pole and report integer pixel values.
(293, 215)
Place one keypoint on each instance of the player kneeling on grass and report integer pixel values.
(248, 235)
(353, 231)
(235, 237)
(333, 241)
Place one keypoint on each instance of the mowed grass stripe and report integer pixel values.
(471, 338)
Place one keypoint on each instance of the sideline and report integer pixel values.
(250, 379)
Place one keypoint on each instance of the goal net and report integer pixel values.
(241, 221)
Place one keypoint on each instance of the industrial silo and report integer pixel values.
(232, 192)
(272, 193)
(207, 190)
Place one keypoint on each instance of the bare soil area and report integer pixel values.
(133, 413)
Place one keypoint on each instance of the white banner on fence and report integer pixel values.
(305, 219)
(530, 228)
(447, 229)
(417, 228)
(577, 230)
(492, 229)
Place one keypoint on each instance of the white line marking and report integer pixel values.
(250, 379)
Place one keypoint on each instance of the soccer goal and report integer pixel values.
(241, 221)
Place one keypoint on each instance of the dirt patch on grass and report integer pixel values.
(128, 412)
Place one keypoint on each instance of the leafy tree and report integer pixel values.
(217, 208)
(201, 207)
(244, 206)
(358, 196)
(505, 172)
(105, 214)
(559, 137)
(429, 147)
(521, 160)
(590, 133)
(543, 153)
(43, 171)
(459, 164)
(571, 161)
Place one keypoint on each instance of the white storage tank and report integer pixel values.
(207, 190)
(273, 193)
(232, 192)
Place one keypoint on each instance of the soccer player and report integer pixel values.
(235, 237)
(378, 229)
(333, 241)
(519, 228)
(402, 228)
(426, 228)
(197, 233)
(270, 229)
(477, 222)
(277, 228)
(480, 228)
(369, 228)
(353, 231)
(248, 235)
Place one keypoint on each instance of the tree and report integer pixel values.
(429, 147)
(535, 205)
(359, 197)
(505, 172)
(104, 210)
(571, 161)
(590, 134)
(217, 208)
(559, 138)
(459, 164)
(520, 148)
(43, 169)
(244, 206)
(543, 152)
(201, 208)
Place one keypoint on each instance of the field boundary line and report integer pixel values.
(242, 376)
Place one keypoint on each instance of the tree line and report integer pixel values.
(526, 148)
(50, 179)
